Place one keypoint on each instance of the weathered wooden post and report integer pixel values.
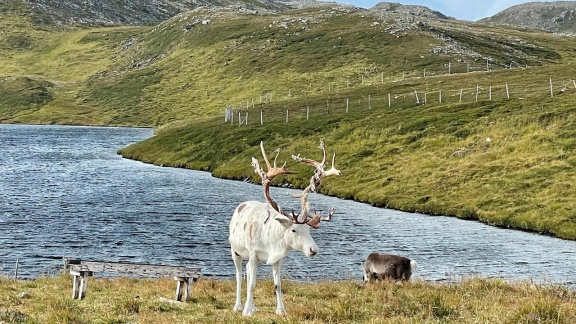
(286, 115)
(449, 67)
(440, 96)
(16, 271)
(417, 100)
(307, 112)
(389, 100)
(460, 96)
(477, 90)
(347, 105)
(490, 93)
(507, 92)
(551, 89)
(369, 104)
(261, 118)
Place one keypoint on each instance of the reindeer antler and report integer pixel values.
(267, 176)
(315, 181)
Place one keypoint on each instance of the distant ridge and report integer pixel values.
(135, 12)
(411, 10)
(556, 17)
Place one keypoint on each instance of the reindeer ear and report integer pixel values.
(285, 221)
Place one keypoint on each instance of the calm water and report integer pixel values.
(64, 192)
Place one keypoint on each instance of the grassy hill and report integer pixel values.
(408, 104)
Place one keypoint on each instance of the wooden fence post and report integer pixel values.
(346, 105)
(490, 93)
(507, 92)
(261, 118)
(551, 89)
(440, 96)
(389, 100)
(417, 100)
(16, 271)
(307, 112)
(460, 96)
(286, 115)
(477, 90)
(369, 104)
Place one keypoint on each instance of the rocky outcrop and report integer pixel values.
(556, 16)
(134, 12)
(410, 10)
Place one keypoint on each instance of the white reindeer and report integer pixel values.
(261, 232)
(387, 266)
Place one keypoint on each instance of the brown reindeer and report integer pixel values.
(387, 266)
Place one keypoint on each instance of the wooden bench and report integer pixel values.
(81, 270)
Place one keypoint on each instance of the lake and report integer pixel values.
(64, 192)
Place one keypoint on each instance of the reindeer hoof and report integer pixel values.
(237, 307)
(248, 311)
(281, 312)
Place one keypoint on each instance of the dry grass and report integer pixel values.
(129, 300)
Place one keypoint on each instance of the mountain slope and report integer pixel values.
(132, 12)
(556, 16)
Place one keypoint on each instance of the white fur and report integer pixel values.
(258, 233)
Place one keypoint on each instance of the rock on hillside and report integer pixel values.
(556, 17)
(135, 12)
(410, 10)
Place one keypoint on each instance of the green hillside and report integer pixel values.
(440, 117)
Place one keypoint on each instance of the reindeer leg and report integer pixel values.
(238, 263)
(280, 310)
(251, 268)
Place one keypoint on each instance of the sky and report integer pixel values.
(471, 10)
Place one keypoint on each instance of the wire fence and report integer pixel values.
(19, 269)
(261, 113)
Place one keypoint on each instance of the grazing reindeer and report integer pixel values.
(382, 266)
(261, 232)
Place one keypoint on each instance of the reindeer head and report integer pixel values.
(297, 236)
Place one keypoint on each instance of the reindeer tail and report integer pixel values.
(413, 265)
